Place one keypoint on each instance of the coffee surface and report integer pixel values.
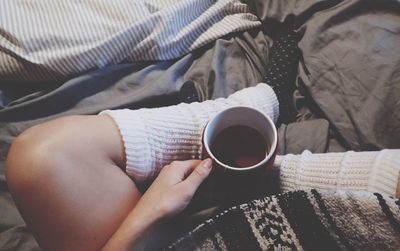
(239, 146)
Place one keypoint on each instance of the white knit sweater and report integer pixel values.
(376, 171)
(155, 137)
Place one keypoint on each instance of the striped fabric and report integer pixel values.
(302, 220)
(51, 39)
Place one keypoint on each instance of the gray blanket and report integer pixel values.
(346, 89)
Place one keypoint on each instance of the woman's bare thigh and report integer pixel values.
(66, 177)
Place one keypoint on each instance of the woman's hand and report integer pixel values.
(169, 195)
(174, 188)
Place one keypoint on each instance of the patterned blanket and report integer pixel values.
(302, 220)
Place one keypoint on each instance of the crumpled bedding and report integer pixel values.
(52, 40)
(346, 90)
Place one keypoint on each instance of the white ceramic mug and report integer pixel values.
(246, 116)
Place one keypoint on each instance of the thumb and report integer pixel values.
(199, 174)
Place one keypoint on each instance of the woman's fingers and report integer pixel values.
(198, 175)
(179, 170)
(173, 189)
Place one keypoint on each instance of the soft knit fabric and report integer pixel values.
(302, 220)
(155, 137)
(369, 171)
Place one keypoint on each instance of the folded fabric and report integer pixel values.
(302, 220)
(50, 39)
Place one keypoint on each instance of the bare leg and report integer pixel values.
(66, 180)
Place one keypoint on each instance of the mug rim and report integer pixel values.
(263, 162)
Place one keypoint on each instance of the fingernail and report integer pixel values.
(207, 163)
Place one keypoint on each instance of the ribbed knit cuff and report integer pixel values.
(136, 144)
(262, 97)
(307, 170)
(385, 173)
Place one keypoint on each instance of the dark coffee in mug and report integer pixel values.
(239, 146)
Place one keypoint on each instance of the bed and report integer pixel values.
(346, 88)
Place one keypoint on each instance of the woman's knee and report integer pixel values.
(59, 170)
(39, 152)
(33, 154)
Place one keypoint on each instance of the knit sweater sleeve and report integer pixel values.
(376, 171)
(155, 137)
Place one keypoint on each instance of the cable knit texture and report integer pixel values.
(369, 171)
(155, 137)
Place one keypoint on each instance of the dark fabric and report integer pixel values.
(236, 238)
(349, 67)
(282, 70)
(188, 93)
(388, 212)
(300, 220)
(351, 57)
(310, 130)
(301, 216)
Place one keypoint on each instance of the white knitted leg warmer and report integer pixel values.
(368, 171)
(155, 137)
